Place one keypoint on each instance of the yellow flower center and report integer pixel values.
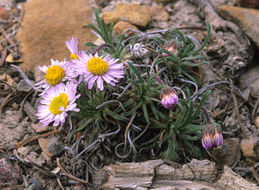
(73, 56)
(54, 75)
(97, 66)
(57, 102)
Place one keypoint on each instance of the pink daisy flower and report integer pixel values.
(99, 69)
(56, 102)
(72, 45)
(56, 73)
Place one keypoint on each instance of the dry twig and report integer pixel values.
(69, 175)
(238, 116)
(19, 145)
(4, 102)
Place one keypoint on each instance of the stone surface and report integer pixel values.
(9, 176)
(247, 147)
(24, 150)
(132, 13)
(38, 127)
(35, 158)
(122, 26)
(159, 13)
(4, 13)
(11, 129)
(250, 79)
(48, 24)
(249, 3)
(228, 153)
(246, 19)
(44, 143)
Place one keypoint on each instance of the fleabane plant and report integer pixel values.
(109, 86)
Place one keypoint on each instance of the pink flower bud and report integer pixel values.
(211, 137)
(170, 46)
(169, 98)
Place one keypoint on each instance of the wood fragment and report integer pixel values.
(231, 180)
(4, 54)
(19, 145)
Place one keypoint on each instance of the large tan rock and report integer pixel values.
(132, 13)
(48, 24)
(246, 19)
(159, 13)
(122, 26)
(249, 151)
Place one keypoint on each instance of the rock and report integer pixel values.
(24, 151)
(248, 149)
(35, 158)
(4, 13)
(132, 13)
(246, 19)
(37, 184)
(228, 153)
(232, 181)
(250, 79)
(249, 3)
(9, 175)
(44, 143)
(38, 127)
(11, 130)
(122, 26)
(48, 24)
(55, 147)
(158, 13)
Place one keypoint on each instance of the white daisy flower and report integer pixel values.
(95, 68)
(56, 73)
(56, 102)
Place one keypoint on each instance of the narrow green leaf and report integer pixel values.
(144, 108)
(205, 41)
(136, 72)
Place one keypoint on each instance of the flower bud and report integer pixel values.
(170, 46)
(211, 137)
(169, 98)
